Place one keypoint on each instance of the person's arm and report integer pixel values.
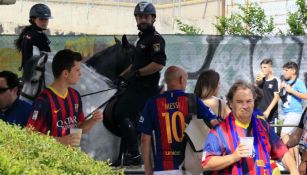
(259, 79)
(146, 150)
(26, 49)
(220, 162)
(302, 168)
(280, 151)
(214, 122)
(204, 113)
(268, 110)
(126, 70)
(157, 55)
(151, 68)
(145, 127)
(300, 95)
(226, 110)
(294, 138)
(88, 124)
(38, 116)
(290, 164)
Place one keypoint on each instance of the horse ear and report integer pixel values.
(125, 41)
(117, 41)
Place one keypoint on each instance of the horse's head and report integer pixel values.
(113, 60)
(34, 76)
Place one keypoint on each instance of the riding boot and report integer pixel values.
(122, 151)
(132, 156)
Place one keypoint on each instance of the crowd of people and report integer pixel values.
(240, 141)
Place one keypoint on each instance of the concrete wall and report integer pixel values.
(109, 18)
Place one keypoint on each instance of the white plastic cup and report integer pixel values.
(249, 143)
(77, 131)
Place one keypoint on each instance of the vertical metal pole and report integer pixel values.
(223, 7)
(173, 14)
(205, 10)
(88, 10)
(218, 8)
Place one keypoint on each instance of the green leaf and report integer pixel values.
(30, 153)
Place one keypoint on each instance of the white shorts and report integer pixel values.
(169, 172)
(291, 118)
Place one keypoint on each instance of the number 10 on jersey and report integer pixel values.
(171, 126)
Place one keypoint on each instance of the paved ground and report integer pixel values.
(140, 170)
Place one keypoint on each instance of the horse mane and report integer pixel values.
(106, 51)
(29, 69)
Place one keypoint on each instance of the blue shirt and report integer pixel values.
(164, 117)
(18, 113)
(295, 103)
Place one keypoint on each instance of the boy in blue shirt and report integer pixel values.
(293, 92)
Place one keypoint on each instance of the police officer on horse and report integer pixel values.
(33, 34)
(142, 78)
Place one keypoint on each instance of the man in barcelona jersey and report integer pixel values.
(244, 144)
(58, 108)
(164, 119)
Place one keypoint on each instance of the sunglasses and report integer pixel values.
(2, 90)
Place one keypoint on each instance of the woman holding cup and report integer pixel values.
(243, 143)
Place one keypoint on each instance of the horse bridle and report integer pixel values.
(103, 104)
(41, 81)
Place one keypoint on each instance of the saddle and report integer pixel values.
(108, 120)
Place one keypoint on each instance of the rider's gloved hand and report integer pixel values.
(119, 80)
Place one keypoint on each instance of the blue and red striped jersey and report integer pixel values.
(55, 114)
(164, 118)
(221, 142)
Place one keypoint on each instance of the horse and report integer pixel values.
(119, 56)
(111, 68)
(38, 74)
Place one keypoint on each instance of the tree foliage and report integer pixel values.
(250, 20)
(297, 21)
(188, 29)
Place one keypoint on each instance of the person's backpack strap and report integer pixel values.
(197, 129)
(293, 82)
(192, 111)
(194, 138)
(283, 93)
(192, 106)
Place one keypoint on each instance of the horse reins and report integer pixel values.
(93, 93)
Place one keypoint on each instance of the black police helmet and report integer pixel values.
(40, 11)
(145, 8)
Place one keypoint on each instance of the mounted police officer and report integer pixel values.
(33, 34)
(142, 77)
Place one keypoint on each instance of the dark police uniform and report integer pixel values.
(149, 48)
(34, 37)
